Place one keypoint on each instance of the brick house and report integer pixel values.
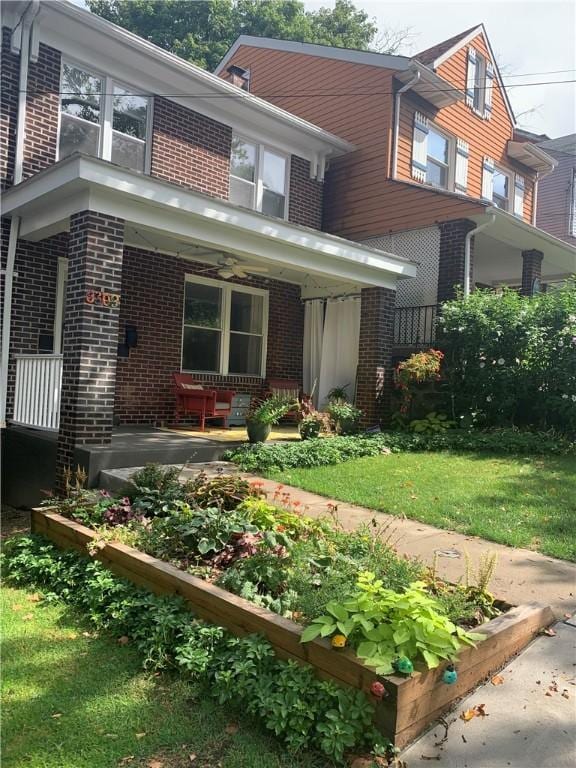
(439, 174)
(158, 219)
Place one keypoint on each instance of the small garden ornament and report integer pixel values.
(403, 665)
(450, 675)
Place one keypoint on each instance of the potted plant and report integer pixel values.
(263, 414)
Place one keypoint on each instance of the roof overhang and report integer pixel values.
(532, 156)
(522, 236)
(431, 87)
(46, 201)
(352, 56)
(93, 41)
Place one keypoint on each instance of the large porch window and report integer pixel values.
(102, 118)
(224, 328)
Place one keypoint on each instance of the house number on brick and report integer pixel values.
(103, 298)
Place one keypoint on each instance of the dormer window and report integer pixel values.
(102, 118)
(479, 83)
(258, 177)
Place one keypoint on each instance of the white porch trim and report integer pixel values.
(46, 201)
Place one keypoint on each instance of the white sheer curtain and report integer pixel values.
(313, 332)
(339, 347)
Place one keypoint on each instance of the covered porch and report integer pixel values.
(152, 279)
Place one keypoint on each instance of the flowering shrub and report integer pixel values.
(419, 368)
(512, 359)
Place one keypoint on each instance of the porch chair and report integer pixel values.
(193, 398)
(287, 388)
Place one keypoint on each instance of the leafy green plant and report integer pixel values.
(155, 489)
(223, 491)
(339, 393)
(310, 426)
(270, 410)
(433, 422)
(345, 416)
(270, 517)
(418, 369)
(383, 625)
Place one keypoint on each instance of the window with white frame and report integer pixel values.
(480, 83)
(258, 177)
(224, 328)
(103, 118)
(438, 159)
(501, 188)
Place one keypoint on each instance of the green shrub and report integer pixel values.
(344, 416)
(289, 701)
(431, 424)
(326, 451)
(511, 359)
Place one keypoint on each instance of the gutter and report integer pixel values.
(397, 98)
(24, 35)
(467, 245)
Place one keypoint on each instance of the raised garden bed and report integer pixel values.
(411, 702)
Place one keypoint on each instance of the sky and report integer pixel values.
(527, 37)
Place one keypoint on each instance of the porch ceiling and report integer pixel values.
(175, 218)
(498, 248)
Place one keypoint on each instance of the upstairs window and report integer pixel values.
(479, 83)
(437, 166)
(258, 177)
(501, 189)
(102, 118)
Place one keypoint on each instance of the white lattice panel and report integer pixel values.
(422, 246)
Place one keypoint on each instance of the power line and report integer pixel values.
(264, 95)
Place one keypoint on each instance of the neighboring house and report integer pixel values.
(157, 219)
(438, 174)
(556, 209)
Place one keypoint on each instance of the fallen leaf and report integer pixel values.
(28, 617)
(56, 714)
(17, 607)
(192, 758)
(231, 728)
(124, 640)
(35, 598)
(497, 680)
(467, 715)
(548, 631)
(110, 735)
(127, 759)
(567, 615)
(156, 764)
(141, 735)
(477, 711)
(547, 693)
(565, 694)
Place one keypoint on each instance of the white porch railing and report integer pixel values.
(37, 393)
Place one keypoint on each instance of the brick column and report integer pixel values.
(531, 271)
(451, 259)
(375, 377)
(90, 334)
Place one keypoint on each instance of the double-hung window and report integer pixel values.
(258, 177)
(224, 329)
(501, 186)
(102, 118)
(438, 159)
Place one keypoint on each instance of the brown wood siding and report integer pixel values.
(485, 137)
(555, 196)
(351, 100)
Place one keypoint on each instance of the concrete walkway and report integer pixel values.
(530, 718)
(522, 576)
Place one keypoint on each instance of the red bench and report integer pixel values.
(192, 398)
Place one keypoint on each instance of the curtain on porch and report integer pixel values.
(313, 332)
(340, 341)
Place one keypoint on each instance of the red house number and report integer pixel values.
(103, 298)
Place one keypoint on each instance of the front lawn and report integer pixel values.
(519, 501)
(73, 698)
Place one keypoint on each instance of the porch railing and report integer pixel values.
(415, 326)
(37, 392)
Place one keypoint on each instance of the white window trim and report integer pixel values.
(451, 165)
(227, 289)
(258, 182)
(480, 84)
(510, 176)
(106, 113)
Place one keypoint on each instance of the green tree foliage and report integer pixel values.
(202, 31)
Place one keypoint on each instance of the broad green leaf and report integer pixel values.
(430, 658)
(327, 629)
(337, 610)
(310, 633)
(365, 650)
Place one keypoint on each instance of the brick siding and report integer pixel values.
(10, 64)
(42, 112)
(451, 258)
(152, 300)
(90, 335)
(33, 296)
(305, 200)
(531, 270)
(190, 149)
(375, 374)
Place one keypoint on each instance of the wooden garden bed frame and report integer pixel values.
(411, 703)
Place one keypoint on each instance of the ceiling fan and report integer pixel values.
(231, 267)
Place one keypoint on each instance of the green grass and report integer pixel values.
(523, 502)
(73, 698)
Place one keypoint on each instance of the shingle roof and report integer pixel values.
(430, 55)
